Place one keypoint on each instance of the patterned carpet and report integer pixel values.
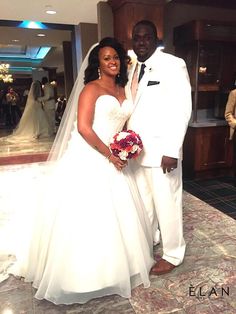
(218, 192)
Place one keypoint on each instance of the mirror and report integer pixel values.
(31, 54)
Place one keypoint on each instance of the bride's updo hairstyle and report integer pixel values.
(91, 72)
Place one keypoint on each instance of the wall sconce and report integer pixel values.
(4, 75)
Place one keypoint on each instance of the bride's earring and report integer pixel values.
(99, 74)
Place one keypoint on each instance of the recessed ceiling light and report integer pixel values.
(41, 35)
(51, 12)
(15, 40)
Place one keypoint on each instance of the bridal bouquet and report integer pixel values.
(126, 145)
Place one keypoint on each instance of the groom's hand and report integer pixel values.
(168, 163)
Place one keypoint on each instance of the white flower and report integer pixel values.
(121, 136)
(123, 154)
(134, 148)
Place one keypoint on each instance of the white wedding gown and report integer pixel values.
(33, 123)
(91, 236)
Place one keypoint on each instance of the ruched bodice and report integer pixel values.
(110, 116)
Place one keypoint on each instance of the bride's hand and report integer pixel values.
(117, 162)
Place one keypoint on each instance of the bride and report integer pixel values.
(93, 238)
(33, 123)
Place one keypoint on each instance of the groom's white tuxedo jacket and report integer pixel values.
(48, 98)
(162, 107)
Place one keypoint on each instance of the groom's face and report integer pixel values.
(144, 42)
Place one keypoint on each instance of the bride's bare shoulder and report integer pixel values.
(90, 92)
(92, 87)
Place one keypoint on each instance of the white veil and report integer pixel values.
(69, 119)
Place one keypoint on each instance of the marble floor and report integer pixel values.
(204, 283)
(23, 152)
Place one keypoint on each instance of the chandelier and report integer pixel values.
(4, 75)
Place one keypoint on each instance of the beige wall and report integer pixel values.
(89, 36)
(84, 36)
(105, 20)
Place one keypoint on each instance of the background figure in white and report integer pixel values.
(25, 96)
(49, 104)
(33, 123)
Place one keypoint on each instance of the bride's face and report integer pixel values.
(109, 61)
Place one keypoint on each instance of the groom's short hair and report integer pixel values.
(44, 80)
(149, 24)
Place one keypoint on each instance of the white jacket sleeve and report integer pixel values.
(180, 103)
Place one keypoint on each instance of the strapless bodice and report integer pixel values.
(110, 116)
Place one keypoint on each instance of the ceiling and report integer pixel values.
(19, 46)
(68, 11)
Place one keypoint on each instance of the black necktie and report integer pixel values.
(141, 71)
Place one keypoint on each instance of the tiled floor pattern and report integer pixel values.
(218, 192)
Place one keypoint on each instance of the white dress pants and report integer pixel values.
(50, 115)
(162, 196)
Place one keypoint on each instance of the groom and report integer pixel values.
(160, 89)
(49, 104)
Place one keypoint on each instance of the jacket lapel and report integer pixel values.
(144, 81)
(142, 86)
(148, 74)
(128, 91)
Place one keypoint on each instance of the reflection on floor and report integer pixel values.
(23, 152)
(204, 283)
